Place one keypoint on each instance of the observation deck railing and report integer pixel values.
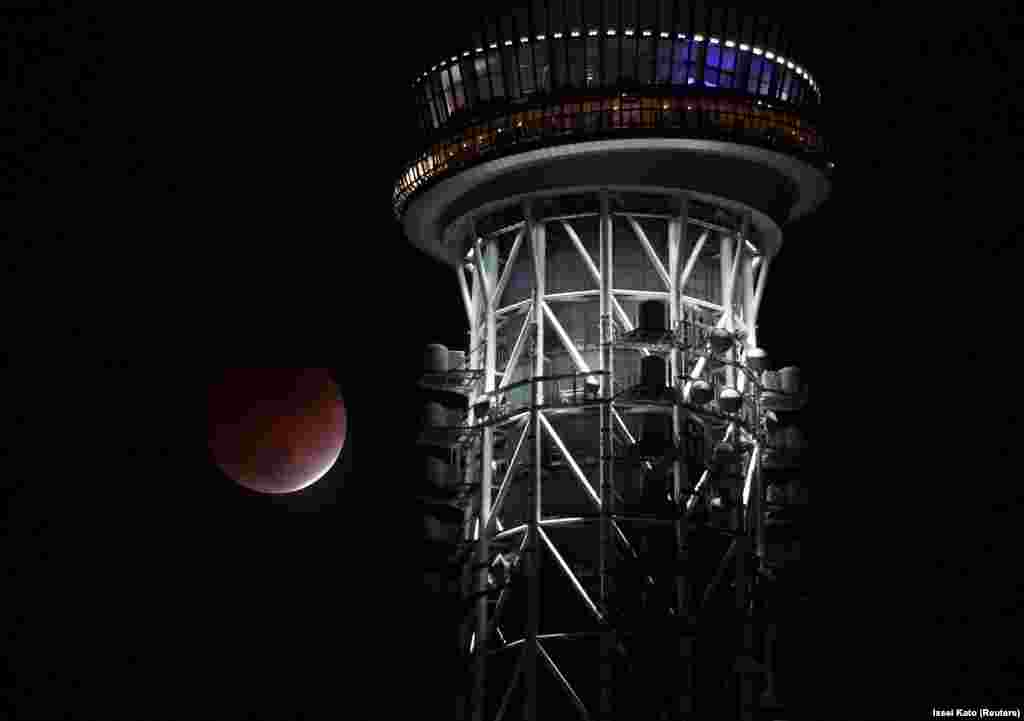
(734, 119)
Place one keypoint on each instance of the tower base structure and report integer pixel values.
(617, 531)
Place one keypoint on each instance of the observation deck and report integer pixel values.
(652, 97)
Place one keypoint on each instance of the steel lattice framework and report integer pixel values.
(556, 536)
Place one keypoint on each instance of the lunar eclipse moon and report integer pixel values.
(275, 430)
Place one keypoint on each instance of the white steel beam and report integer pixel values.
(649, 249)
(574, 353)
(515, 308)
(641, 294)
(539, 271)
(730, 263)
(588, 261)
(748, 301)
(576, 470)
(627, 324)
(466, 302)
(486, 285)
(677, 245)
(577, 702)
(700, 303)
(700, 484)
(485, 273)
(692, 260)
(571, 295)
(533, 556)
(762, 278)
(517, 350)
(506, 481)
(509, 264)
(725, 258)
(748, 481)
(733, 274)
(623, 428)
(606, 549)
(570, 575)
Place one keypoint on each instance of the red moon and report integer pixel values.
(275, 430)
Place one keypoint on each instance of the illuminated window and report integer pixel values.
(433, 108)
(756, 66)
(451, 81)
(593, 69)
(727, 75)
(766, 78)
(483, 80)
(712, 58)
(729, 60)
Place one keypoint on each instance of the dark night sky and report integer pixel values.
(216, 192)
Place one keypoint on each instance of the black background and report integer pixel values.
(191, 191)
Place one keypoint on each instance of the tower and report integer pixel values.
(609, 182)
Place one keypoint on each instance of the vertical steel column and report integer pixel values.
(470, 510)
(476, 363)
(748, 284)
(726, 268)
(762, 279)
(607, 547)
(489, 264)
(679, 250)
(747, 281)
(533, 551)
(676, 246)
(745, 572)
